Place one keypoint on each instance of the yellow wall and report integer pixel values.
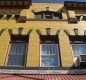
(33, 56)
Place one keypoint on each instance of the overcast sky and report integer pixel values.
(56, 0)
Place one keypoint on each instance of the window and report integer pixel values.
(49, 53)
(78, 48)
(48, 15)
(81, 17)
(17, 52)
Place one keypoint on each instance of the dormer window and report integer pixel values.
(48, 15)
(81, 17)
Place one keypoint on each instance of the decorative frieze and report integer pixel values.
(39, 32)
(20, 31)
(57, 32)
(76, 32)
(67, 32)
(1, 31)
(48, 32)
(10, 31)
(29, 31)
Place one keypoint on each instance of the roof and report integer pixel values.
(41, 77)
(15, 0)
(75, 0)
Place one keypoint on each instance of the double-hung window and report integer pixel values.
(49, 54)
(17, 53)
(78, 48)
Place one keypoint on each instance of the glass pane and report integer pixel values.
(16, 60)
(49, 61)
(38, 16)
(79, 49)
(57, 16)
(18, 48)
(49, 49)
(47, 17)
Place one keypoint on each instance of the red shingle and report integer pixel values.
(41, 77)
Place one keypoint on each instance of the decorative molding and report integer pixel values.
(30, 30)
(76, 32)
(48, 31)
(67, 32)
(39, 32)
(10, 31)
(20, 31)
(57, 32)
(85, 32)
(1, 31)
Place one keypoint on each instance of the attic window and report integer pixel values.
(81, 17)
(48, 15)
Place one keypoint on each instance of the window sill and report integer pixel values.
(47, 20)
(39, 68)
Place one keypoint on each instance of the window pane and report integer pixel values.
(17, 60)
(16, 55)
(49, 55)
(49, 61)
(38, 16)
(47, 15)
(79, 49)
(18, 48)
(49, 49)
(57, 16)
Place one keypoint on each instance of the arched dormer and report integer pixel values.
(48, 15)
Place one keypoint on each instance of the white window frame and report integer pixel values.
(75, 57)
(50, 55)
(8, 52)
(44, 16)
(72, 48)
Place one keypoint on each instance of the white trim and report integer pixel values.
(50, 55)
(76, 57)
(9, 46)
(77, 44)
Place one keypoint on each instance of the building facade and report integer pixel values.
(43, 36)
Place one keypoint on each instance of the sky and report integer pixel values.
(57, 0)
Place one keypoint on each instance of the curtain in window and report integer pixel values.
(49, 56)
(16, 55)
(79, 49)
(49, 49)
(50, 61)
